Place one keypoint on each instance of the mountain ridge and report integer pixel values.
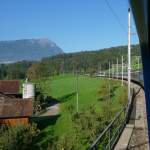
(27, 49)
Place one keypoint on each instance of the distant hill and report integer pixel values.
(85, 62)
(27, 49)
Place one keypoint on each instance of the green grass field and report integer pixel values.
(63, 88)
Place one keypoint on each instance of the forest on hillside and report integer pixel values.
(83, 62)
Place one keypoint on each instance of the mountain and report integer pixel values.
(27, 49)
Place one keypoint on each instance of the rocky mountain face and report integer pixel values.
(27, 49)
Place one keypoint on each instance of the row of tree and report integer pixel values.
(15, 70)
(84, 62)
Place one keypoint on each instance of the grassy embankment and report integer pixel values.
(63, 88)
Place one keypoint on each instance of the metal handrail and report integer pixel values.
(107, 128)
(127, 111)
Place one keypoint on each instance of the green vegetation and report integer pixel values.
(18, 137)
(74, 130)
(84, 62)
(99, 99)
(136, 63)
(15, 70)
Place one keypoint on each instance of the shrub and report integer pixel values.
(18, 137)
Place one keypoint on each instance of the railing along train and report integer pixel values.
(110, 135)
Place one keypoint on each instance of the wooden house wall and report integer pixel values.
(14, 121)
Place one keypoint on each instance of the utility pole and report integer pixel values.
(109, 83)
(129, 53)
(77, 92)
(109, 69)
(112, 70)
(122, 70)
(100, 69)
(117, 68)
(113, 67)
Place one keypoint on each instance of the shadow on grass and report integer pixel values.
(49, 101)
(44, 121)
(66, 97)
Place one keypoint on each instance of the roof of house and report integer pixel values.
(9, 86)
(14, 107)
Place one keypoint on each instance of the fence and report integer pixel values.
(108, 138)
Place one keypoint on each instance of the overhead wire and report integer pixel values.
(116, 16)
(124, 29)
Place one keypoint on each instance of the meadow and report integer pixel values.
(63, 89)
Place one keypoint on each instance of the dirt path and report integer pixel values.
(52, 110)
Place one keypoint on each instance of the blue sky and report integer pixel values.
(73, 24)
